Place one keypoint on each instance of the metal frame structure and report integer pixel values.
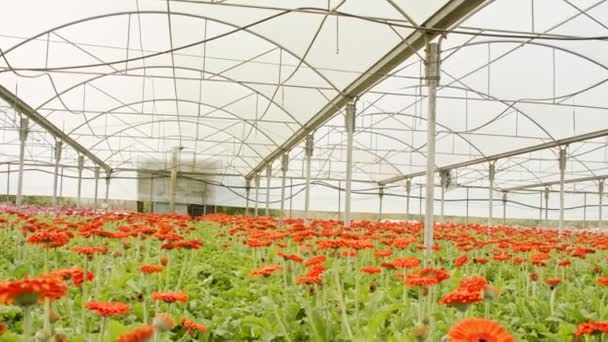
(421, 106)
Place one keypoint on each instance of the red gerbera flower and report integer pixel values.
(266, 271)
(316, 279)
(461, 260)
(138, 335)
(170, 297)
(590, 328)
(315, 260)
(426, 277)
(28, 291)
(552, 281)
(602, 281)
(407, 262)
(150, 268)
(478, 330)
(193, 326)
(461, 298)
(107, 309)
(371, 270)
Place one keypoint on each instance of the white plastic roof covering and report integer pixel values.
(231, 80)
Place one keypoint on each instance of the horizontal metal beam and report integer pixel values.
(503, 155)
(444, 18)
(573, 180)
(22, 107)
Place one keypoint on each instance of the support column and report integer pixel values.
(108, 179)
(268, 177)
(23, 131)
(562, 172)
(540, 211)
(585, 210)
(504, 208)
(309, 151)
(467, 210)
(432, 80)
(381, 196)
(95, 200)
(247, 192)
(152, 194)
(173, 181)
(491, 174)
(601, 195)
(58, 146)
(257, 193)
(546, 206)
(284, 167)
(408, 190)
(8, 182)
(349, 124)
(443, 176)
(339, 199)
(79, 193)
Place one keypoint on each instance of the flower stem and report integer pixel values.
(27, 322)
(102, 332)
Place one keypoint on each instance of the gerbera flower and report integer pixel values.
(90, 250)
(371, 270)
(406, 263)
(461, 260)
(49, 239)
(150, 268)
(461, 298)
(553, 281)
(107, 309)
(315, 260)
(478, 330)
(590, 328)
(138, 335)
(193, 326)
(266, 271)
(170, 297)
(317, 279)
(28, 291)
(426, 277)
(602, 281)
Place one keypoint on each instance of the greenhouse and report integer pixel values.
(336, 170)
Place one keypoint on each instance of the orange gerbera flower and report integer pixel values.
(479, 330)
(461, 298)
(49, 238)
(138, 335)
(170, 297)
(28, 291)
(407, 262)
(308, 279)
(589, 328)
(266, 271)
(426, 277)
(150, 268)
(75, 273)
(193, 326)
(315, 260)
(107, 309)
(602, 281)
(371, 269)
(90, 250)
(553, 281)
(461, 260)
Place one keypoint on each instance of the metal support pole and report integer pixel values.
(58, 146)
(173, 180)
(247, 192)
(268, 177)
(284, 167)
(504, 208)
(601, 198)
(23, 130)
(61, 183)
(408, 190)
(108, 179)
(467, 214)
(491, 176)
(290, 196)
(432, 79)
(381, 196)
(540, 211)
(309, 151)
(95, 201)
(152, 194)
(8, 182)
(420, 201)
(257, 193)
(546, 206)
(443, 176)
(79, 193)
(350, 130)
(562, 172)
(585, 210)
(339, 199)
